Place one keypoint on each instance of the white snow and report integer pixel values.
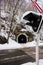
(4, 14)
(14, 45)
(3, 33)
(11, 45)
(34, 63)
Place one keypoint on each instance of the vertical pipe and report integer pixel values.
(37, 49)
(37, 40)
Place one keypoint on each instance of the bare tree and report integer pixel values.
(14, 7)
(14, 13)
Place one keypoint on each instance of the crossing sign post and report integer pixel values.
(35, 21)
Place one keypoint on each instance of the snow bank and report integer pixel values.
(30, 63)
(11, 45)
(14, 45)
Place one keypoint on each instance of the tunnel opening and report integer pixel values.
(22, 38)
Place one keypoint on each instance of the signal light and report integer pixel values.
(35, 20)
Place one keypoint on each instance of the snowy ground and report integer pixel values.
(14, 45)
(30, 63)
